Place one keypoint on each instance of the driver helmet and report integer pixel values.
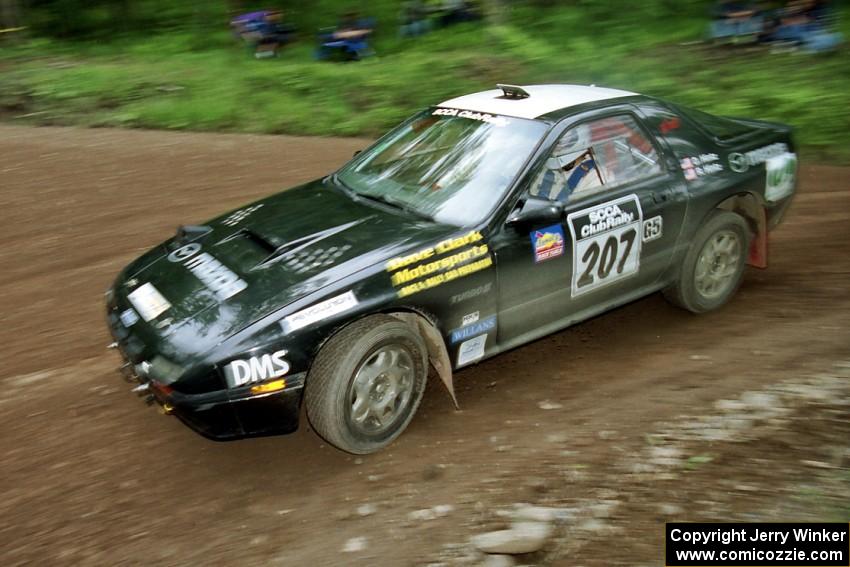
(574, 143)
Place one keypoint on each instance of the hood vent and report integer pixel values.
(302, 254)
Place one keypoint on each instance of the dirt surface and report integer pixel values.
(579, 421)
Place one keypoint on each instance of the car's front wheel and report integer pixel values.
(366, 383)
(714, 266)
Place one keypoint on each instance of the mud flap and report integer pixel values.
(758, 247)
(437, 353)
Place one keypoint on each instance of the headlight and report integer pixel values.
(163, 370)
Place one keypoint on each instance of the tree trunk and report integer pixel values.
(495, 10)
(10, 14)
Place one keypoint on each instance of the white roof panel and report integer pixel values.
(543, 99)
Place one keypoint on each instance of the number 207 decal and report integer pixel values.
(607, 241)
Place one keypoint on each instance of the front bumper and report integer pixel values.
(221, 414)
(236, 417)
(232, 415)
(227, 414)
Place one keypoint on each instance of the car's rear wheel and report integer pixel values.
(714, 265)
(366, 383)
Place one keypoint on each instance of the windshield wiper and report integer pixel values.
(395, 203)
(382, 199)
(339, 184)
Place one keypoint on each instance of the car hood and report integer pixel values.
(239, 267)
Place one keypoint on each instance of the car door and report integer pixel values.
(613, 236)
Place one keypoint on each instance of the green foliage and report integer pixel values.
(193, 75)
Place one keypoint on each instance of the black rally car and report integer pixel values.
(475, 226)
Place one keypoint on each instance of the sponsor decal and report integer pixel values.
(472, 293)
(465, 256)
(781, 172)
(216, 276)
(701, 165)
(652, 228)
(129, 317)
(480, 116)
(184, 252)
(607, 246)
(471, 350)
(256, 369)
(149, 303)
(547, 243)
(322, 310)
(740, 163)
(238, 216)
(470, 318)
(477, 328)
(737, 162)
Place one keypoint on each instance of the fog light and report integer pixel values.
(272, 386)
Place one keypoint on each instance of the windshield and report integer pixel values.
(452, 166)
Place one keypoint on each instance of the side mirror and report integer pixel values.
(537, 211)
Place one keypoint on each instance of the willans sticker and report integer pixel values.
(476, 328)
(607, 243)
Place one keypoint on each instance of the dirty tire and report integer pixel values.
(366, 383)
(714, 265)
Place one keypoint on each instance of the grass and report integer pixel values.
(185, 80)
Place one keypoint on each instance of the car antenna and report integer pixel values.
(513, 91)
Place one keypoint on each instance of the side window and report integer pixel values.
(594, 156)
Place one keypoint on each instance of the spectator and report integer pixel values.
(273, 34)
(457, 11)
(413, 20)
(263, 31)
(735, 20)
(350, 38)
(804, 23)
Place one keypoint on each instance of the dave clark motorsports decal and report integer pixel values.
(607, 243)
(455, 258)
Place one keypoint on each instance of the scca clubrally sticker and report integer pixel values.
(606, 245)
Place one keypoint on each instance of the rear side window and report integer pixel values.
(595, 156)
(717, 126)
